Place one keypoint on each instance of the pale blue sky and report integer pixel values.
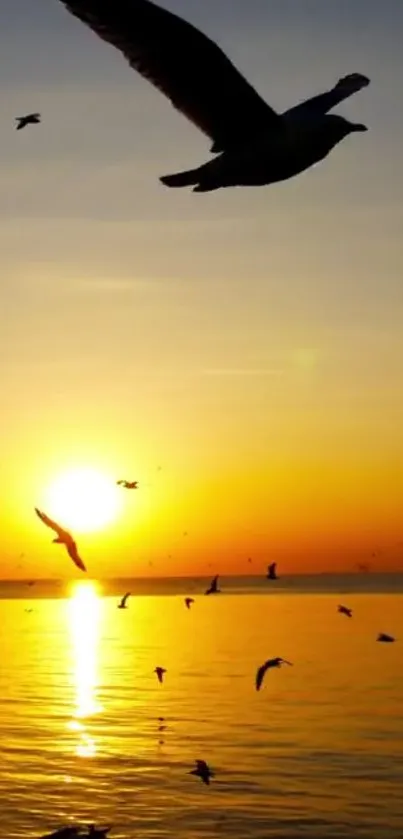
(264, 321)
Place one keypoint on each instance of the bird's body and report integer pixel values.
(122, 604)
(28, 119)
(63, 833)
(255, 145)
(188, 602)
(344, 610)
(202, 771)
(159, 671)
(63, 538)
(271, 662)
(272, 571)
(384, 638)
(213, 588)
(128, 484)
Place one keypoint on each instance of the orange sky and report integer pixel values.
(249, 342)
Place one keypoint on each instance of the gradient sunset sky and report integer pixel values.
(248, 342)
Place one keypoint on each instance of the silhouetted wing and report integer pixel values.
(124, 599)
(50, 523)
(324, 102)
(73, 554)
(185, 65)
(202, 765)
(260, 676)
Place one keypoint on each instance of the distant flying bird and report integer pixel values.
(202, 771)
(213, 586)
(63, 538)
(122, 604)
(272, 662)
(189, 601)
(385, 638)
(344, 610)
(271, 571)
(128, 484)
(253, 144)
(29, 119)
(160, 673)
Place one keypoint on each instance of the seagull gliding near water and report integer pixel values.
(63, 538)
(271, 662)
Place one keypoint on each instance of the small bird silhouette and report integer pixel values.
(344, 610)
(189, 601)
(29, 119)
(213, 586)
(271, 571)
(202, 771)
(160, 673)
(63, 538)
(271, 662)
(122, 604)
(128, 484)
(385, 638)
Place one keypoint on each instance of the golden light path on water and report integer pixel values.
(84, 610)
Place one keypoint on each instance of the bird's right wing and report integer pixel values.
(184, 64)
(324, 102)
(50, 523)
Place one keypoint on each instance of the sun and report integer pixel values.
(83, 500)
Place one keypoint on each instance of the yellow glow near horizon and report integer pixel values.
(83, 500)
(84, 614)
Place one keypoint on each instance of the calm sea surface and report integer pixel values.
(317, 753)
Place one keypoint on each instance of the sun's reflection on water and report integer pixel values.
(84, 622)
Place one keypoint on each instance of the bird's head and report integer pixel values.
(338, 127)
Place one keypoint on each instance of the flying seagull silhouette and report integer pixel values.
(344, 610)
(189, 601)
(213, 589)
(254, 144)
(385, 638)
(122, 604)
(28, 119)
(128, 484)
(202, 771)
(63, 538)
(271, 571)
(160, 673)
(272, 662)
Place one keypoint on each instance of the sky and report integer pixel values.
(239, 353)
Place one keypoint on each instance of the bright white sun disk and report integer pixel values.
(83, 500)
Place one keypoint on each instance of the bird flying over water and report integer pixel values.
(213, 586)
(344, 610)
(253, 144)
(122, 604)
(202, 771)
(128, 484)
(385, 638)
(28, 119)
(271, 571)
(189, 601)
(271, 662)
(63, 538)
(160, 673)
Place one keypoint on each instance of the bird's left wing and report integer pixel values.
(185, 65)
(49, 522)
(260, 676)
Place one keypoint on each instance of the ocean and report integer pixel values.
(317, 753)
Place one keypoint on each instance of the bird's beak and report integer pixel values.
(358, 126)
